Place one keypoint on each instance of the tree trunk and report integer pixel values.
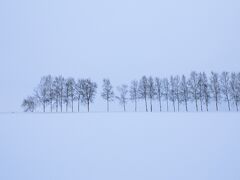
(146, 104)
(56, 105)
(88, 104)
(216, 104)
(107, 105)
(186, 106)
(178, 105)
(229, 108)
(135, 105)
(207, 106)
(236, 103)
(51, 106)
(151, 108)
(174, 106)
(61, 104)
(201, 105)
(160, 104)
(44, 107)
(196, 104)
(167, 105)
(72, 104)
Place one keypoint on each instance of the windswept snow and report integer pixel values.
(120, 146)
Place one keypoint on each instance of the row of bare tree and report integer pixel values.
(198, 88)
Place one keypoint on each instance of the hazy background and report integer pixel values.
(121, 40)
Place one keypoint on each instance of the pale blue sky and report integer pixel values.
(118, 39)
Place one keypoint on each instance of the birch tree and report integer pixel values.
(166, 91)
(29, 104)
(122, 98)
(201, 89)
(172, 92)
(194, 88)
(225, 87)
(143, 90)
(206, 90)
(107, 93)
(41, 93)
(151, 92)
(134, 93)
(78, 92)
(88, 92)
(184, 91)
(235, 89)
(159, 91)
(215, 88)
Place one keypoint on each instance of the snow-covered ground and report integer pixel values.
(120, 146)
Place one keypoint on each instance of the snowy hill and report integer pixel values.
(120, 146)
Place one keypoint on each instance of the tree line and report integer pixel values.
(61, 95)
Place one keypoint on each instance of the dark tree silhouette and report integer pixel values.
(88, 92)
(159, 91)
(78, 92)
(172, 92)
(206, 90)
(151, 92)
(134, 93)
(122, 98)
(107, 93)
(194, 88)
(225, 87)
(41, 92)
(215, 88)
(29, 104)
(54, 92)
(177, 91)
(166, 90)
(143, 90)
(235, 89)
(184, 92)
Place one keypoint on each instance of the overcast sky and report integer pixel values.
(121, 40)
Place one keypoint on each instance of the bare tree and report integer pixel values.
(238, 87)
(58, 88)
(107, 93)
(70, 84)
(56, 91)
(206, 90)
(215, 88)
(41, 92)
(88, 92)
(29, 104)
(50, 91)
(134, 93)
(184, 91)
(172, 92)
(177, 90)
(151, 91)
(78, 92)
(166, 90)
(225, 87)
(194, 88)
(159, 91)
(123, 90)
(143, 90)
(201, 89)
(68, 89)
(235, 89)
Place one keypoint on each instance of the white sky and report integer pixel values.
(121, 40)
